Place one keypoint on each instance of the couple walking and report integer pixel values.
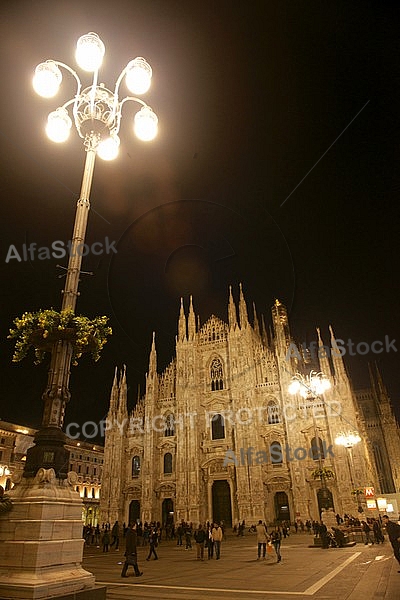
(263, 539)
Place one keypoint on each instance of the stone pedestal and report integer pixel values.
(41, 543)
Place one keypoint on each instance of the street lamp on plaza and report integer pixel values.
(310, 387)
(349, 439)
(95, 111)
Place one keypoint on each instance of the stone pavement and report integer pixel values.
(358, 573)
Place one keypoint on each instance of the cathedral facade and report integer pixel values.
(218, 436)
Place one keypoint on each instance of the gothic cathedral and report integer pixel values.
(217, 436)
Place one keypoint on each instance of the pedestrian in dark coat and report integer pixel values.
(393, 531)
(131, 551)
(153, 539)
(106, 540)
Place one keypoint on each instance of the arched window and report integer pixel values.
(85, 492)
(93, 493)
(169, 425)
(217, 427)
(317, 449)
(216, 375)
(276, 454)
(273, 412)
(168, 462)
(136, 466)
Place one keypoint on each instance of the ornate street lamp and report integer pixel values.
(349, 439)
(95, 112)
(310, 387)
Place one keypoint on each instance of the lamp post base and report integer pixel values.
(41, 543)
(49, 452)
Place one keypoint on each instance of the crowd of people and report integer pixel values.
(208, 537)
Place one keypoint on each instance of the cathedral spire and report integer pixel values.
(381, 386)
(232, 316)
(114, 393)
(256, 323)
(182, 324)
(153, 356)
(281, 327)
(191, 321)
(243, 318)
(264, 332)
(123, 395)
(323, 356)
(338, 364)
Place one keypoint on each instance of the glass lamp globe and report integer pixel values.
(138, 76)
(294, 387)
(58, 125)
(108, 149)
(47, 79)
(146, 124)
(90, 52)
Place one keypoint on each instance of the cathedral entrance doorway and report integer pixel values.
(325, 499)
(167, 511)
(221, 502)
(282, 512)
(134, 511)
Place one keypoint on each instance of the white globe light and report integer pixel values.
(294, 387)
(138, 76)
(90, 52)
(146, 124)
(58, 125)
(47, 79)
(108, 149)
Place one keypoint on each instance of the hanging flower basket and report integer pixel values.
(43, 329)
(324, 472)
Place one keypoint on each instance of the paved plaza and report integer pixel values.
(357, 573)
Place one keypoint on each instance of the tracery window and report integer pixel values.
(217, 427)
(216, 375)
(276, 454)
(168, 462)
(317, 449)
(136, 466)
(169, 425)
(273, 412)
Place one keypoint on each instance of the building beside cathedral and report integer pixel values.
(218, 436)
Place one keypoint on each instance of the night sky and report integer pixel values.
(276, 165)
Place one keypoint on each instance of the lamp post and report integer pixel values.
(96, 115)
(349, 439)
(310, 387)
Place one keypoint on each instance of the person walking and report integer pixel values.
(377, 529)
(106, 540)
(131, 551)
(367, 530)
(153, 539)
(276, 539)
(393, 531)
(200, 538)
(209, 542)
(217, 539)
(115, 536)
(188, 536)
(262, 539)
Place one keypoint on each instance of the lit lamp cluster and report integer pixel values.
(96, 111)
(309, 386)
(348, 439)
